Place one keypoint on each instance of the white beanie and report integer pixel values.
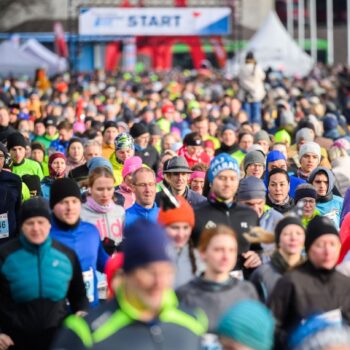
(310, 147)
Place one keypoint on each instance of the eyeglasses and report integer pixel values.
(309, 201)
(144, 185)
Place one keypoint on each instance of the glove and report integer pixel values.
(259, 235)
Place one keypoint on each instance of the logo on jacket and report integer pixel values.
(244, 224)
(210, 224)
(55, 263)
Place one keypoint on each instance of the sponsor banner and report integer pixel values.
(155, 21)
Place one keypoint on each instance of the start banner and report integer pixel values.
(155, 21)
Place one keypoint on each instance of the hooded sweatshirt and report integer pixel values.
(329, 205)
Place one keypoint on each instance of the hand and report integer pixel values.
(5, 341)
(252, 259)
(81, 313)
(259, 235)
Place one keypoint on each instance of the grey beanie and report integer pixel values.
(254, 157)
(310, 147)
(251, 188)
(305, 134)
(262, 135)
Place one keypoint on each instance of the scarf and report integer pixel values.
(98, 208)
(302, 175)
(286, 201)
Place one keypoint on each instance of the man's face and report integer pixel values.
(143, 140)
(178, 181)
(147, 117)
(37, 155)
(228, 137)
(36, 229)
(202, 128)
(225, 185)
(256, 204)
(68, 210)
(197, 185)
(18, 153)
(124, 154)
(4, 117)
(148, 284)
(65, 134)
(321, 184)
(309, 206)
(324, 251)
(264, 145)
(255, 169)
(109, 135)
(280, 164)
(92, 151)
(309, 162)
(51, 130)
(144, 188)
(39, 129)
(246, 142)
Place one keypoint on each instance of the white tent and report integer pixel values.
(274, 47)
(14, 62)
(55, 63)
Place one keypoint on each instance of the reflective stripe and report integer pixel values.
(116, 322)
(79, 326)
(182, 319)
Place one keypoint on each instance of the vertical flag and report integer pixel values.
(60, 40)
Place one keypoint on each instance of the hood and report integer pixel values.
(331, 179)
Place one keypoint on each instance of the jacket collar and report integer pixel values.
(35, 247)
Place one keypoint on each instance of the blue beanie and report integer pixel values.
(99, 162)
(221, 163)
(330, 122)
(145, 242)
(273, 156)
(249, 323)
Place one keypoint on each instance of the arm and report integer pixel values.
(102, 258)
(76, 292)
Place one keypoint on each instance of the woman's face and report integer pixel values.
(179, 233)
(309, 206)
(292, 239)
(220, 255)
(59, 165)
(102, 190)
(76, 151)
(278, 188)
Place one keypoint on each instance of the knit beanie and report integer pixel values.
(109, 124)
(74, 140)
(16, 139)
(283, 136)
(305, 134)
(52, 157)
(145, 242)
(288, 220)
(262, 135)
(221, 163)
(184, 213)
(304, 190)
(318, 226)
(274, 155)
(310, 147)
(37, 206)
(130, 165)
(63, 188)
(37, 146)
(251, 188)
(252, 158)
(124, 141)
(249, 323)
(138, 129)
(330, 122)
(99, 162)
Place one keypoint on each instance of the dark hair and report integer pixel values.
(278, 171)
(65, 124)
(243, 133)
(199, 119)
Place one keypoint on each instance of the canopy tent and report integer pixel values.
(274, 47)
(55, 63)
(15, 62)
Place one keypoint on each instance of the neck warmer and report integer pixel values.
(63, 225)
(214, 198)
(98, 208)
(302, 175)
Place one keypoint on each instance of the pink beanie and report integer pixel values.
(130, 165)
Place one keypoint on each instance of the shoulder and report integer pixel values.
(87, 227)
(9, 248)
(64, 250)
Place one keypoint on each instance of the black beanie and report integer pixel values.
(62, 188)
(318, 226)
(288, 220)
(34, 207)
(138, 129)
(16, 139)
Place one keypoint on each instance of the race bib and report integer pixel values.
(210, 342)
(237, 274)
(88, 277)
(4, 226)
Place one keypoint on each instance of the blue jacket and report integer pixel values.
(10, 203)
(35, 282)
(84, 240)
(59, 145)
(46, 187)
(138, 212)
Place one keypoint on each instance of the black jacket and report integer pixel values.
(239, 217)
(149, 156)
(227, 149)
(306, 291)
(10, 202)
(192, 197)
(5, 132)
(79, 173)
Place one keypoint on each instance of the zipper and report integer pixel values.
(228, 217)
(39, 274)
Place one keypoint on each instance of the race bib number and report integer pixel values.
(4, 226)
(210, 342)
(88, 277)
